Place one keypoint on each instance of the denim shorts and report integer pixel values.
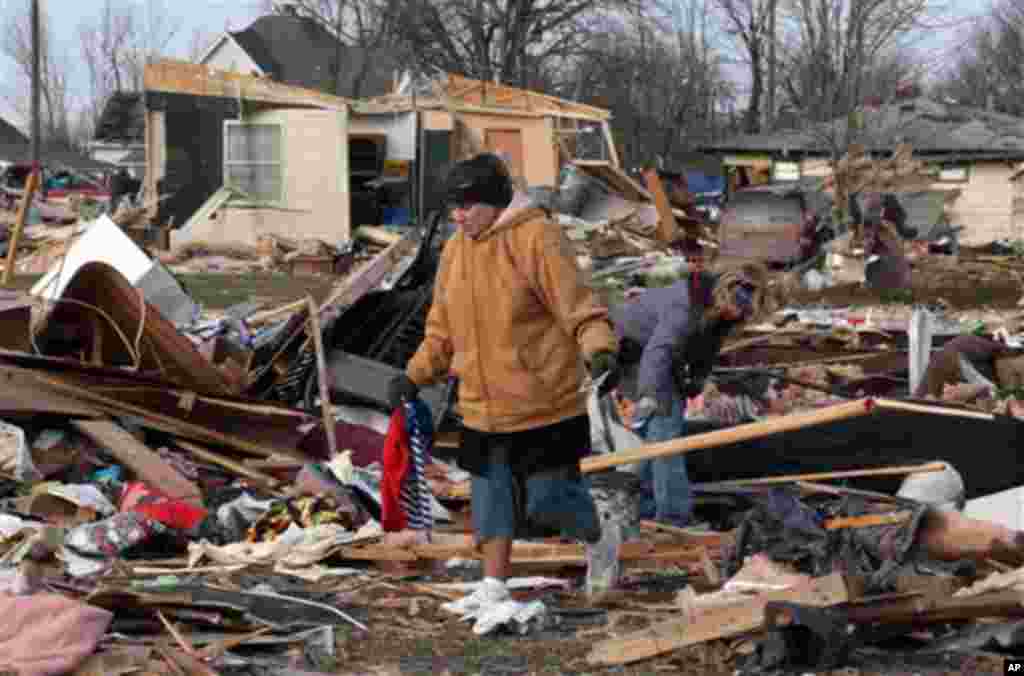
(553, 502)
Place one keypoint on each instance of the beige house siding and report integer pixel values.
(316, 200)
(540, 155)
(984, 207)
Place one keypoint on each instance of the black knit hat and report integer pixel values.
(483, 179)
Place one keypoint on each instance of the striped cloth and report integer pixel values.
(415, 497)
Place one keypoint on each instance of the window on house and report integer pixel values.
(785, 171)
(954, 173)
(253, 163)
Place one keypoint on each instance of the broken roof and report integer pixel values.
(448, 90)
(932, 128)
(181, 77)
(299, 51)
(123, 119)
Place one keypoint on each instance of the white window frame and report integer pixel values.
(954, 168)
(241, 201)
(778, 163)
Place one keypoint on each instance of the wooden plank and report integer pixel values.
(893, 405)
(522, 553)
(197, 80)
(866, 520)
(731, 435)
(359, 284)
(238, 468)
(756, 430)
(609, 139)
(666, 231)
(616, 178)
(19, 225)
(715, 623)
(828, 476)
(330, 427)
(158, 421)
(140, 459)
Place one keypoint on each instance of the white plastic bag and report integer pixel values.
(607, 435)
(15, 457)
(922, 326)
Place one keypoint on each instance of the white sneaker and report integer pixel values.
(491, 591)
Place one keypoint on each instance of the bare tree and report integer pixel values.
(117, 42)
(54, 71)
(837, 51)
(748, 23)
(988, 71)
(659, 76)
(510, 42)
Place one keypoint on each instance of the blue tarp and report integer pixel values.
(699, 182)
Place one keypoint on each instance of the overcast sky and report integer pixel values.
(213, 16)
(216, 15)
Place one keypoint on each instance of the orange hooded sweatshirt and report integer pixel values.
(513, 319)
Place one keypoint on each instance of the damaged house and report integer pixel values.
(120, 136)
(972, 151)
(298, 51)
(240, 156)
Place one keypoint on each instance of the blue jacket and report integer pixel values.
(660, 320)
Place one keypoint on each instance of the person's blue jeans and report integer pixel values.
(665, 492)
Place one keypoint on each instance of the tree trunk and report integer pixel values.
(752, 123)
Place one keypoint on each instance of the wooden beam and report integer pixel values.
(666, 231)
(522, 553)
(372, 274)
(739, 433)
(900, 470)
(609, 139)
(19, 225)
(731, 435)
(158, 421)
(330, 427)
(910, 407)
(140, 459)
(714, 623)
(197, 80)
(230, 465)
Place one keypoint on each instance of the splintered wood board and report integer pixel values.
(712, 624)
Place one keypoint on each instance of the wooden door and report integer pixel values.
(508, 145)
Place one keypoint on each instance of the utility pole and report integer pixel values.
(36, 48)
(770, 117)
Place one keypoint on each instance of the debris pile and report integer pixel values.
(189, 492)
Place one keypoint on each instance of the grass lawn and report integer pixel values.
(219, 291)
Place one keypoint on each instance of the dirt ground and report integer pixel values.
(416, 637)
(963, 282)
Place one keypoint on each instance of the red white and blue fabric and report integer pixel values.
(406, 501)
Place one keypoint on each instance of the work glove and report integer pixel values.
(401, 389)
(605, 362)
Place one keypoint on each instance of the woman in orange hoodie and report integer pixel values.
(513, 319)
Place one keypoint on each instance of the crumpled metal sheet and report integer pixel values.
(162, 348)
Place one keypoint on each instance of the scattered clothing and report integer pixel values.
(305, 512)
(405, 493)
